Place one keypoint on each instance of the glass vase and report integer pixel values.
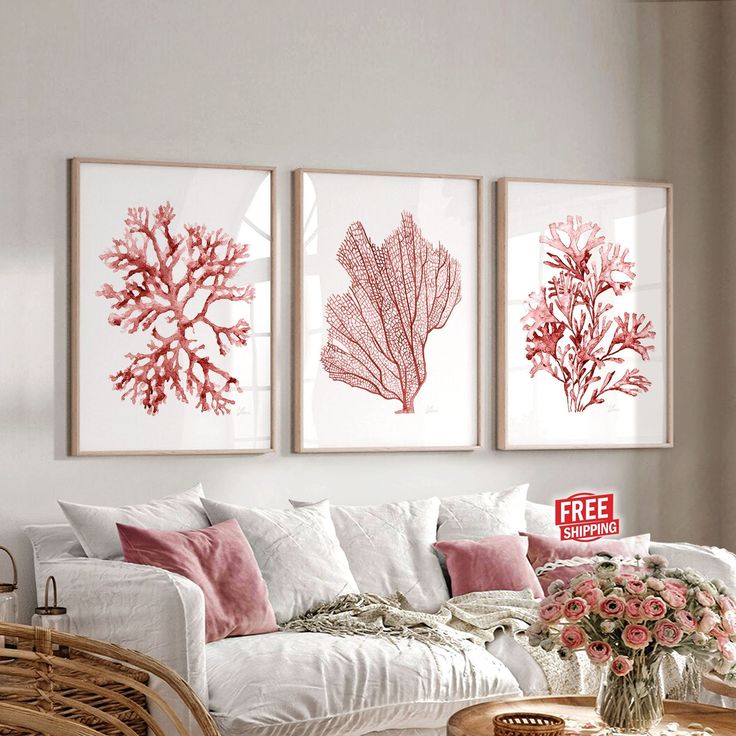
(632, 703)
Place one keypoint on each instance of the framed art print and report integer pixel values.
(585, 314)
(386, 273)
(172, 276)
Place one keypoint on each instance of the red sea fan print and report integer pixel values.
(171, 281)
(399, 292)
(570, 331)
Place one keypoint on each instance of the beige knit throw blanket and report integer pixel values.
(471, 620)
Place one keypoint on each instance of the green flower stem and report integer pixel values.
(632, 703)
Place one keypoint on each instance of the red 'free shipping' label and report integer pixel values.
(586, 516)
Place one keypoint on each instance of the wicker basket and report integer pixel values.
(56, 683)
(27, 690)
(528, 724)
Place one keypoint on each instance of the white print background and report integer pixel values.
(635, 217)
(237, 200)
(336, 415)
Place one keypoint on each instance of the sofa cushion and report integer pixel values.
(298, 553)
(492, 563)
(320, 685)
(478, 515)
(540, 519)
(220, 561)
(389, 548)
(566, 559)
(95, 525)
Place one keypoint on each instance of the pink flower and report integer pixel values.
(636, 587)
(708, 621)
(728, 650)
(599, 652)
(675, 584)
(624, 577)
(674, 597)
(728, 620)
(573, 637)
(612, 606)
(636, 636)
(705, 598)
(653, 608)
(727, 603)
(633, 609)
(550, 612)
(561, 597)
(686, 620)
(593, 598)
(586, 586)
(575, 609)
(655, 584)
(621, 665)
(667, 633)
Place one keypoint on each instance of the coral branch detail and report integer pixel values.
(170, 283)
(399, 292)
(569, 333)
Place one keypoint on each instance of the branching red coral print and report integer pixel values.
(570, 333)
(170, 283)
(399, 292)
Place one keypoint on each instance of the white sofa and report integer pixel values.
(296, 683)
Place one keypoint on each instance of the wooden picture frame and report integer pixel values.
(77, 446)
(300, 443)
(504, 440)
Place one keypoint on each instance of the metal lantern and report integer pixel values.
(52, 616)
(8, 604)
(8, 597)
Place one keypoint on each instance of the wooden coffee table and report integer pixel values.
(478, 719)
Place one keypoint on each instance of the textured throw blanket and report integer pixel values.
(467, 621)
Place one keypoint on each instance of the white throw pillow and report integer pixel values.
(298, 552)
(479, 515)
(95, 526)
(540, 519)
(389, 548)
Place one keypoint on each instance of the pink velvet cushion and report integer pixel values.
(550, 549)
(219, 560)
(489, 563)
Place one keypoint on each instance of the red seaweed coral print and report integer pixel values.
(170, 283)
(399, 293)
(571, 332)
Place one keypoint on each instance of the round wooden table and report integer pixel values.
(719, 686)
(478, 719)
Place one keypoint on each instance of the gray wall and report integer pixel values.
(582, 89)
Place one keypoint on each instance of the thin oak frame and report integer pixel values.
(74, 201)
(501, 289)
(297, 311)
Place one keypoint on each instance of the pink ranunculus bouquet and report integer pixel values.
(619, 615)
(628, 621)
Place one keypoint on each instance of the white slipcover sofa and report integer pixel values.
(289, 683)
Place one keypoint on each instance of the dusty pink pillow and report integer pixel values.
(550, 549)
(219, 560)
(490, 563)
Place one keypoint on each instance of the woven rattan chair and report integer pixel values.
(66, 685)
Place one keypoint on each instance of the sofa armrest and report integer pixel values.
(139, 607)
(712, 562)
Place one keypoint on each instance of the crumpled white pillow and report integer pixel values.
(389, 548)
(479, 515)
(297, 551)
(96, 530)
(540, 519)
